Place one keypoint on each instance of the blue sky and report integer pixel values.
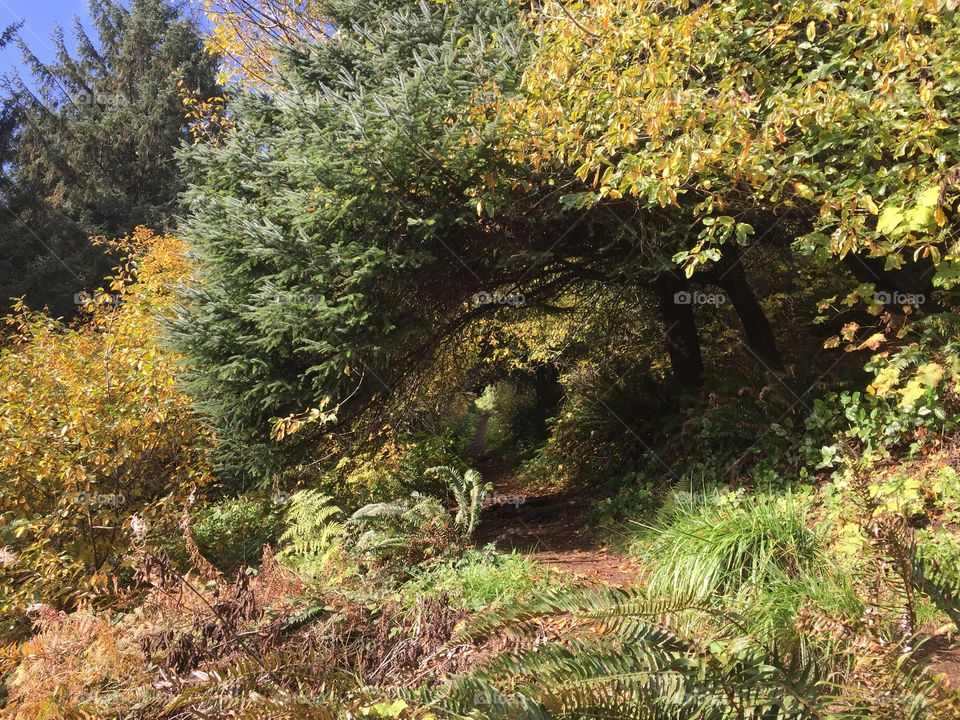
(39, 18)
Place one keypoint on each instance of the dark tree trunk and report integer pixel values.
(549, 391)
(682, 339)
(729, 275)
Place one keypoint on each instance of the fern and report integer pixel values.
(626, 659)
(313, 533)
(278, 685)
(396, 529)
(468, 492)
(628, 655)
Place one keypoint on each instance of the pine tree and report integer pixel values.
(96, 140)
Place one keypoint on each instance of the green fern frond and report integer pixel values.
(624, 656)
(379, 510)
(935, 584)
(468, 491)
(313, 533)
(628, 612)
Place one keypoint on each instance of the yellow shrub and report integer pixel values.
(95, 438)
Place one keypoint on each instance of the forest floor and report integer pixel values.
(552, 528)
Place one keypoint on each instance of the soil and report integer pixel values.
(551, 528)
(944, 661)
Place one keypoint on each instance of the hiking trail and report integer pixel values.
(551, 528)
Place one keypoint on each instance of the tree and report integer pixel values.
(824, 125)
(337, 228)
(94, 150)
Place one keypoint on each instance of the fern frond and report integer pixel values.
(313, 532)
(934, 583)
(249, 685)
(629, 612)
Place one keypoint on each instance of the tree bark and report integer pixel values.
(730, 277)
(682, 338)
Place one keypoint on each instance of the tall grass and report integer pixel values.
(718, 543)
(760, 557)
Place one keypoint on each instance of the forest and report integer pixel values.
(482, 359)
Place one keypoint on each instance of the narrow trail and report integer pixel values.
(551, 528)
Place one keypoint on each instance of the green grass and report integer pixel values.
(719, 542)
(759, 557)
(479, 579)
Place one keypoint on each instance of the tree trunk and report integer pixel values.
(729, 276)
(682, 339)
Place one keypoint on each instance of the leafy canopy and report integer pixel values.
(834, 115)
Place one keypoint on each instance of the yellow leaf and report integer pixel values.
(872, 342)
(885, 381)
(890, 220)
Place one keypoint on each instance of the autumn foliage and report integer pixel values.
(247, 35)
(93, 431)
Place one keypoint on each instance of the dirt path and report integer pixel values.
(550, 528)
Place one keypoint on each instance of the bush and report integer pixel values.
(231, 533)
(93, 432)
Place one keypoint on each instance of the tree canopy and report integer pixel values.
(95, 141)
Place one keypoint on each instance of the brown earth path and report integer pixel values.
(551, 528)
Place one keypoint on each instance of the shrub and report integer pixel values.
(93, 432)
(231, 533)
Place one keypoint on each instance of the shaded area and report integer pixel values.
(552, 528)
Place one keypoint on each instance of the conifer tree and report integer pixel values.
(97, 131)
(338, 225)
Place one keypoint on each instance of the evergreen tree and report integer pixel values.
(97, 135)
(337, 228)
